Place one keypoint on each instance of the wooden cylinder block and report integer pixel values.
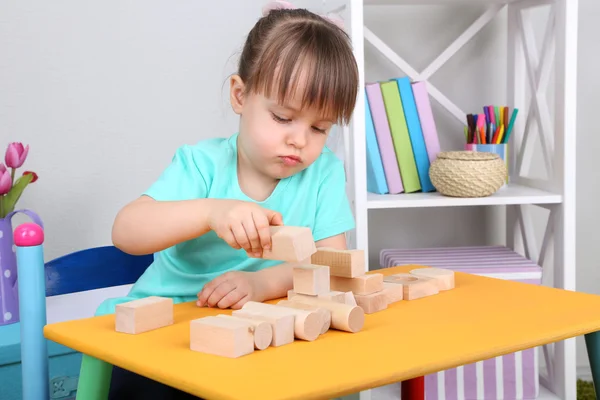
(344, 317)
(262, 330)
(307, 324)
(325, 313)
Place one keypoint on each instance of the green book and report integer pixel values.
(400, 136)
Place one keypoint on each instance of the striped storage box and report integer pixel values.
(510, 377)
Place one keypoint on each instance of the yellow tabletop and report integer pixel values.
(481, 318)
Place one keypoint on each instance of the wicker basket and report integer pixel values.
(467, 173)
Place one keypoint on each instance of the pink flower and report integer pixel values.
(5, 180)
(16, 154)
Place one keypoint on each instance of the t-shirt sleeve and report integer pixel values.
(183, 179)
(334, 215)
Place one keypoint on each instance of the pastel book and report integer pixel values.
(384, 138)
(375, 175)
(413, 125)
(428, 127)
(514, 376)
(400, 136)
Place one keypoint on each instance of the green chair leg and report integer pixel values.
(592, 342)
(94, 379)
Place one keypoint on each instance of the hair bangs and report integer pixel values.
(308, 64)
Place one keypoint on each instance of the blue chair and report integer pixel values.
(84, 270)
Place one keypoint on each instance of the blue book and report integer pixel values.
(416, 134)
(376, 182)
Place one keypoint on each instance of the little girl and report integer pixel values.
(207, 217)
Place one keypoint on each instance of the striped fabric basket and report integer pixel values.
(510, 377)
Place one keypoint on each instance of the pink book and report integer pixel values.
(432, 142)
(384, 139)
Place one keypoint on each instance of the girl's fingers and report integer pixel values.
(230, 239)
(252, 234)
(220, 292)
(264, 231)
(231, 298)
(241, 237)
(240, 303)
(209, 288)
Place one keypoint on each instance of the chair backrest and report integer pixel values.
(93, 268)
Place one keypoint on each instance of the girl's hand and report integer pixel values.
(244, 225)
(231, 290)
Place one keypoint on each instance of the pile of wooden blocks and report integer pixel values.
(331, 290)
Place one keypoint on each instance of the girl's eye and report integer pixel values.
(319, 130)
(279, 119)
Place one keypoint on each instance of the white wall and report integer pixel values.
(90, 84)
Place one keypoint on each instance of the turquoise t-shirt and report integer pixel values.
(314, 198)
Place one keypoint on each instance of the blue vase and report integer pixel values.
(9, 296)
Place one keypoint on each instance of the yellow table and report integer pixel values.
(481, 318)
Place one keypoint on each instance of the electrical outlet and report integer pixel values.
(63, 387)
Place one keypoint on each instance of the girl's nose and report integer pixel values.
(298, 138)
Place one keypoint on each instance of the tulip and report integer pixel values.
(5, 180)
(16, 154)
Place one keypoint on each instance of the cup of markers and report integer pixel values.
(490, 131)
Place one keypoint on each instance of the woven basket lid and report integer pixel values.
(468, 155)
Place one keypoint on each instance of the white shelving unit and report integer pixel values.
(527, 68)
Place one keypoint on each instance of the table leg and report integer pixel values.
(592, 342)
(94, 379)
(413, 389)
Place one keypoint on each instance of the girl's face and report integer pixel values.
(278, 140)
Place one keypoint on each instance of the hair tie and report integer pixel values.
(286, 5)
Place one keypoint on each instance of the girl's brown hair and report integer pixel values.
(286, 46)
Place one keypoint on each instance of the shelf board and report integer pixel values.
(511, 194)
(433, 2)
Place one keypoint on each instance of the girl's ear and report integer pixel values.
(236, 93)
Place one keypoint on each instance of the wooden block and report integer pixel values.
(261, 330)
(311, 279)
(344, 317)
(372, 303)
(281, 324)
(221, 336)
(415, 287)
(349, 298)
(325, 313)
(344, 263)
(364, 284)
(393, 291)
(339, 297)
(142, 315)
(290, 243)
(443, 277)
(307, 324)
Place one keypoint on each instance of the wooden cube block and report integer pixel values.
(415, 287)
(343, 263)
(281, 324)
(261, 330)
(444, 278)
(364, 284)
(394, 291)
(307, 323)
(290, 243)
(371, 303)
(311, 279)
(224, 337)
(142, 315)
